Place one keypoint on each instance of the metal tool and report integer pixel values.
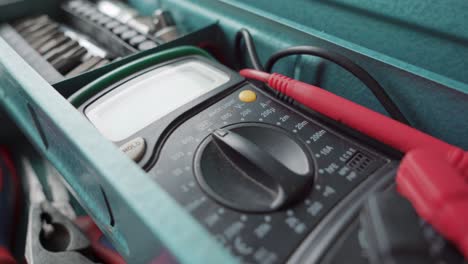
(161, 25)
(112, 24)
(69, 59)
(146, 45)
(144, 25)
(126, 35)
(120, 29)
(53, 43)
(21, 26)
(31, 38)
(52, 237)
(32, 27)
(103, 20)
(44, 39)
(167, 34)
(162, 19)
(135, 41)
(117, 10)
(59, 51)
(165, 26)
(88, 64)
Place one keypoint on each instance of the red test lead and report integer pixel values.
(101, 246)
(433, 175)
(9, 198)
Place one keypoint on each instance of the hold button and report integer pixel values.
(134, 149)
(247, 96)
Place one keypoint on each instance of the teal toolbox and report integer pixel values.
(417, 50)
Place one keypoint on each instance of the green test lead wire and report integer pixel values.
(128, 69)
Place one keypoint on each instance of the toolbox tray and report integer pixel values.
(423, 70)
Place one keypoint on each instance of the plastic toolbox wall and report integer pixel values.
(417, 56)
(430, 34)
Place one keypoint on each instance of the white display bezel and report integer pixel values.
(152, 95)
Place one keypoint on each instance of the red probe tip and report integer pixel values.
(255, 75)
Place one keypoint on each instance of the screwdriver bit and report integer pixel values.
(34, 27)
(62, 49)
(146, 45)
(70, 60)
(43, 31)
(44, 39)
(86, 65)
(30, 22)
(53, 43)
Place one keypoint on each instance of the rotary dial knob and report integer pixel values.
(254, 167)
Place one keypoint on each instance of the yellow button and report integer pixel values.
(247, 96)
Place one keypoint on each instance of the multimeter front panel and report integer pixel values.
(340, 165)
(260, 220)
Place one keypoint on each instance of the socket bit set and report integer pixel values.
(115, 22)
(69, 52)
(85, 36)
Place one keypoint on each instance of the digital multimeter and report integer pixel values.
(267, 179)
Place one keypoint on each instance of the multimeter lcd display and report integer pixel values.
(152, 95)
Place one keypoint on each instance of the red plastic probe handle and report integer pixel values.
(94, 234)
(437, 192)
(6, 257)
(9, 192)
(433, 175)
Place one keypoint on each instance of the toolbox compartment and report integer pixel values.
(142, 219)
